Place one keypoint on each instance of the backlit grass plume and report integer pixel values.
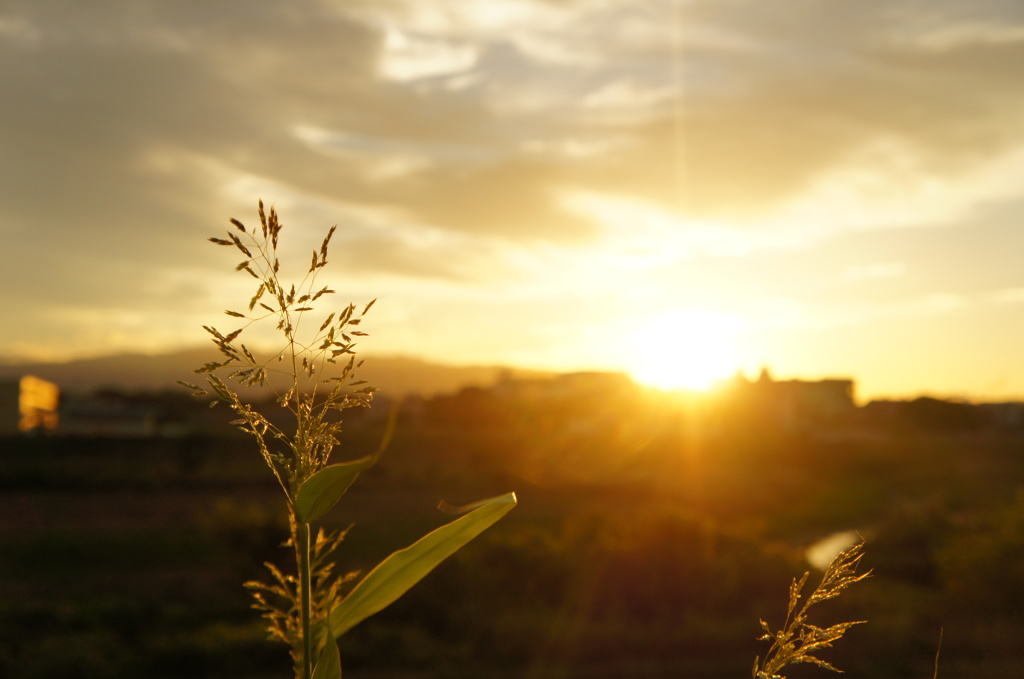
(301, 361)
(798, 640)
(307, 610)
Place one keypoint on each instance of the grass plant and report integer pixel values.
(312, 374)
(798, 640)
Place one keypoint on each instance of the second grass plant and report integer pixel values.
(798, 640)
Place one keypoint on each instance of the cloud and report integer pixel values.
(813, 93)
(752, 111)
(406, 57)
(554, 147)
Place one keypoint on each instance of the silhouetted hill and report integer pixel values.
(395, 375)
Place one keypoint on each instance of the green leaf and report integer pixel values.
(322, 490)
(396, 574)
(329, 664)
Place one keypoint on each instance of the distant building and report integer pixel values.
(791, 404)
(28, 405)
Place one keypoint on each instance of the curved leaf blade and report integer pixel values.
(322, 490)
(396, 574)
(329, 664)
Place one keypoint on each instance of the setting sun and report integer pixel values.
(683, 349)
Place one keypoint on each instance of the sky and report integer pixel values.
(676, 188)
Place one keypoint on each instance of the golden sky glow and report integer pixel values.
(534, 182)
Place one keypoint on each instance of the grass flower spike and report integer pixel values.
(312, 375)
(798, 640)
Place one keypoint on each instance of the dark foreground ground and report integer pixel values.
(125, 558)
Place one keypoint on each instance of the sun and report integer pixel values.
(686, 349)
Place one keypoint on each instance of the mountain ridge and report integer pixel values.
(396, 375)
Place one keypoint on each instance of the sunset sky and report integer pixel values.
(678, 188)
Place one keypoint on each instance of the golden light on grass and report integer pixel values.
(685, 349)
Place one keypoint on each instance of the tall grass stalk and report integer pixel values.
(312, 374)
(798, 640)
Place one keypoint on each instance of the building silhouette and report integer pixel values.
(28, 405)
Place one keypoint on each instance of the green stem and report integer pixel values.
(305, 595)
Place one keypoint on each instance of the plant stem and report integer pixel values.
(305, 597)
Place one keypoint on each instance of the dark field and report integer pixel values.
(630, 556)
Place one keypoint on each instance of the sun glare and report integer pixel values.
(683, 350)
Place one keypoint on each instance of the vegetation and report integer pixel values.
(798, 640)
(117, 562)
(308, 610)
